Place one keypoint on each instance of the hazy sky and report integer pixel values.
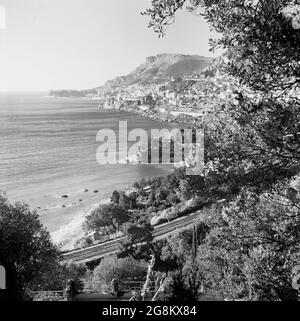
(78, 44)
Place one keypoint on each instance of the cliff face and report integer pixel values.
(160, 68)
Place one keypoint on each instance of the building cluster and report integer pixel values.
(191, 96)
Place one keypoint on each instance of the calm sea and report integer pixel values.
(48, 149)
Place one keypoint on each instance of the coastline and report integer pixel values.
(50, 161)
(66, 235)
(72, 231)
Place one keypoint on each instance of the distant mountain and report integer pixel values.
(156, 69)
(160, 68)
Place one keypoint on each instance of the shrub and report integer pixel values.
(118, 268)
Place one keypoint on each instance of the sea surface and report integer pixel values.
(48, 149)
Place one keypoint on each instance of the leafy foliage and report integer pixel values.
(252, 149)
(252, 247)
(257, 136)
(26, 249)
(118, 268)
(109, 216)
(139, 241)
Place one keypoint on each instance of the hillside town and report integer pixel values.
(183, 99)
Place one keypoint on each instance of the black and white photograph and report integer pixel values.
(150, 152)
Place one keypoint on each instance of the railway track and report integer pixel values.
(110, 247)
